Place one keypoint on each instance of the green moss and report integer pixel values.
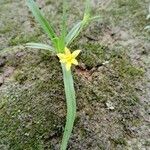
(20, 77)
(130, 14)
(121, 63)
(5, 2)
(34, 103)
(5, 29)
(147, 143)
(22, 39)
(92, 55)
(47, 2)
(1, 70)
(29, 105)
(101, 146)
(119, 141)
(113, 81)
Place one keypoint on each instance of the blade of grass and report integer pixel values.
(73, 32)
(41, 19)
(95, 18)
(64, 19)
(87, 7)
(59, 45)
(87, 12)
(147, 27)
(40, 46)
(71, 106)
(148, 17)
(61, 41)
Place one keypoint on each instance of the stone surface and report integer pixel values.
(114, 72)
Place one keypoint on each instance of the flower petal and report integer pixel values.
(76, 53)
(67, 51)
(68, 66)
(61, 56)
(75, 62)
(62, 60)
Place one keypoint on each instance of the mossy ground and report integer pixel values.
(109, 112)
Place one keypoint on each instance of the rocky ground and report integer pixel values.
(112, 81)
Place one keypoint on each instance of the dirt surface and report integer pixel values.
(112, 80)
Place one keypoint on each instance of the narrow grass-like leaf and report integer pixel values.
(148, 16)
(95, 18)
(147, 27)
(40, 46)
(61, 42)
(73, 32)
(64, 19)
(71, 106)
(41, 19)
(87, 12)
(87, 7)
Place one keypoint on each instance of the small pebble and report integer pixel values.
(110, 105)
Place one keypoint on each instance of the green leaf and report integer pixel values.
(71, 106)
(74, 32)
(95, 18)
(61, 44)
(148, 16)
(40, 46)
(64, 19)
(87, 7)
(87, 12)
(61, 39)
(41, 19)
(147, 27)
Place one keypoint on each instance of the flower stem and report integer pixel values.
(71, 106)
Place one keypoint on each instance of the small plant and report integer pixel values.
(59, 45)
(148, 17)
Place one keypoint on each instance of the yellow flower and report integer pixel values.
(68, 59)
